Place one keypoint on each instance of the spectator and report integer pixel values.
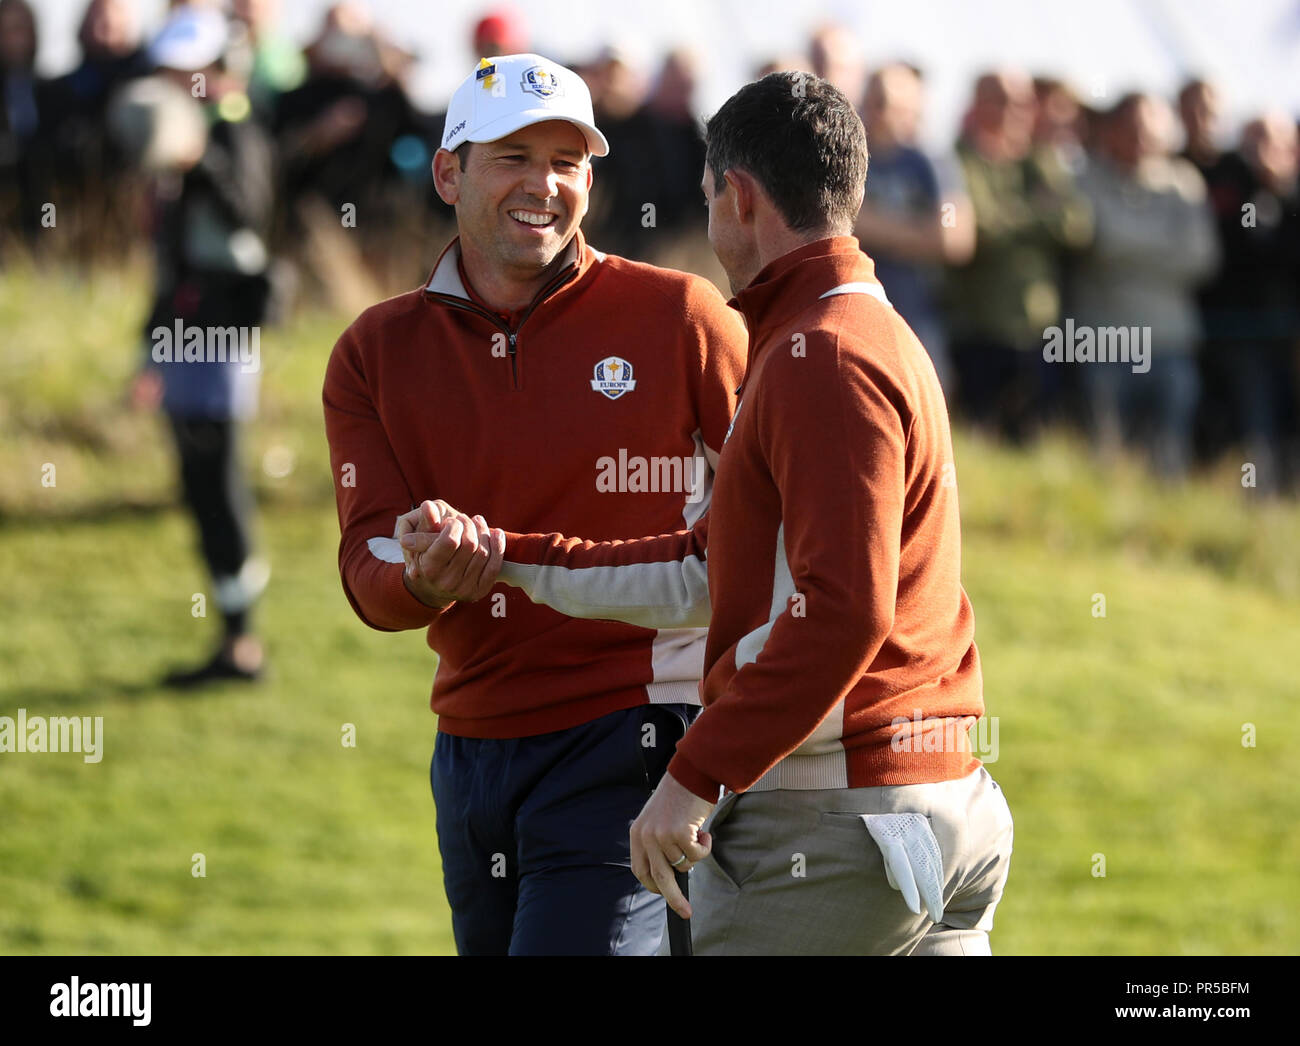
(1027, 212)
(835, 56)
(353, 154)
(902, 225)
(90, 169)
(1228, 184)
(213, 218)
(676, 143)
(618, 92)
(1059, 122)
(111, 53)
(337, 129)
(1154, 242)
(501, 31)
(1255, 310)
(25, 163)
(654, 165)
(1198, 107)
(273, 63)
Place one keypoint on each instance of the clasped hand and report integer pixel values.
(449, 556)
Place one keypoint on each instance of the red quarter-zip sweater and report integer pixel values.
(828, 567)
(525, 420)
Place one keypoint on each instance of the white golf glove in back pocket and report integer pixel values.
(913, 864)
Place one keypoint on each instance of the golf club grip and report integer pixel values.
(679, 929)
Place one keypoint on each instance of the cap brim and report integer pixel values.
(597, 145)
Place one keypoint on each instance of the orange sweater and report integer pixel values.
(831, 554)
(430, 395)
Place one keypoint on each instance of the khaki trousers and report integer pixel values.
(795, 872)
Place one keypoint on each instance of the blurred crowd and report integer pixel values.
(1056, 228)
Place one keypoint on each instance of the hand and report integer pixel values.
(449, 556)
(913, 864)
(146, 390)
(667, 827)
(426, 518)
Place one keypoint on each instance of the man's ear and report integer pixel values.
(446, 176)
(586, 203)
(743, 194)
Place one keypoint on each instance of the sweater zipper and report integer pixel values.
(512, 336)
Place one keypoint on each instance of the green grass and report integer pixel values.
(1118, 735)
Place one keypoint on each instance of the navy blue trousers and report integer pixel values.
(533, 833)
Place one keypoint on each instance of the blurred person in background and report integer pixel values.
(835, 55)
(618, 91)
(90, 170)
(337, 130)
(503, 30)
(1027, 214)
(1229, 184)
(1255, 307)
(273, 64)
(214, 196)
(673, 135)
(1061, 129)
(25, 161)
(650, 182)
(1059, 122)
(903, 225)
(1199, 107)
(1154, 242)
(1248, 306)
(111, 53)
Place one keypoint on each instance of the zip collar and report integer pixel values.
(445, 284)
(799, 280)
(795, 281)
(446, 287)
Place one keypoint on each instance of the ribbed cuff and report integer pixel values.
(400, 601)
(693, 780)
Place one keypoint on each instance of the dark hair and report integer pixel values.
(803, 142)
(461, 152)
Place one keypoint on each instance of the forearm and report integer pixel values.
(376, 587)
(783, 700)
(654, 582)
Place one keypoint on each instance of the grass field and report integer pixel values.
(1119, 736)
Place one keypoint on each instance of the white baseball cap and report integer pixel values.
(517, 90)
(191, 39)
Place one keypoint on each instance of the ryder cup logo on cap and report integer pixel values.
(509, 92)
(542, 82)
(613, 377)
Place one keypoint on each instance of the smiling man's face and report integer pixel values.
(521, 198)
